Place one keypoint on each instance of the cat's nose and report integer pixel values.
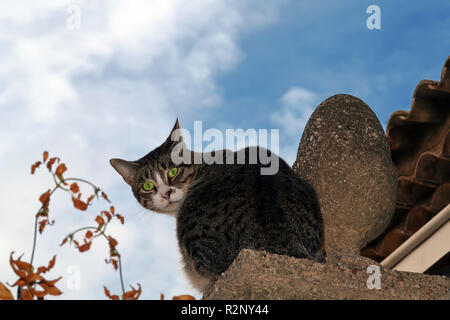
(166, 195)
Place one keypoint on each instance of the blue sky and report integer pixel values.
(325, 47)
(113, 88)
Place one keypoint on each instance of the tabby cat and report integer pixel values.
(223, 208)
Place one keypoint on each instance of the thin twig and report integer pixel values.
(36, 222)
(96, 189)
(102, 233)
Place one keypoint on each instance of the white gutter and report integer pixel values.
(423, 248)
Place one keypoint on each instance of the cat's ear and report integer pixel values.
(176, 146)
(175, 133)
(126, 169)
(174, 137)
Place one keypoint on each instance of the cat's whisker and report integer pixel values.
(192, 185)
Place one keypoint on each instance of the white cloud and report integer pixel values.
(296, 106)
(111, 88)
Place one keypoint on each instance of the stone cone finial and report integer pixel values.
(345, 156)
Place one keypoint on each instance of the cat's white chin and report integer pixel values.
(171, 208)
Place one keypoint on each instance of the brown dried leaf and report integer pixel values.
(49, 288)
(42, 225)
(133, 294)
(19, 282)
(107, 215)
(51, 263)
(26, 294)
(51, 162)
(74, 188)
(105, 196)
(60, 169)
(108, 294)
(59, 173)
(52, 282)
(45, 155)
(21, 274)
(21, 265)
(45, 199)
(113, 242)
(5, 293)
(64, 241)
(115, 264)
(79, 204)
(35, 166)
(121, 218)
(85, 247)
(183, 297)
(100, 221)
(39, 294)
(41, 270)
(33, 277)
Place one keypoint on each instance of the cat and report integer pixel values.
(222, 208)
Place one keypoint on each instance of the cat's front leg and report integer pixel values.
(199, 278)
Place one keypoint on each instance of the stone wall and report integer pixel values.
(260, 275)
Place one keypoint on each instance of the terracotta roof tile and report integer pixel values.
(420, 147)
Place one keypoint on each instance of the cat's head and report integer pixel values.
(157, 182)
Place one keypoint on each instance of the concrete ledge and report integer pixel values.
(261, 275)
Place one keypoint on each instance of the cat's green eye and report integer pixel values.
(173, 172)
(148, 186)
